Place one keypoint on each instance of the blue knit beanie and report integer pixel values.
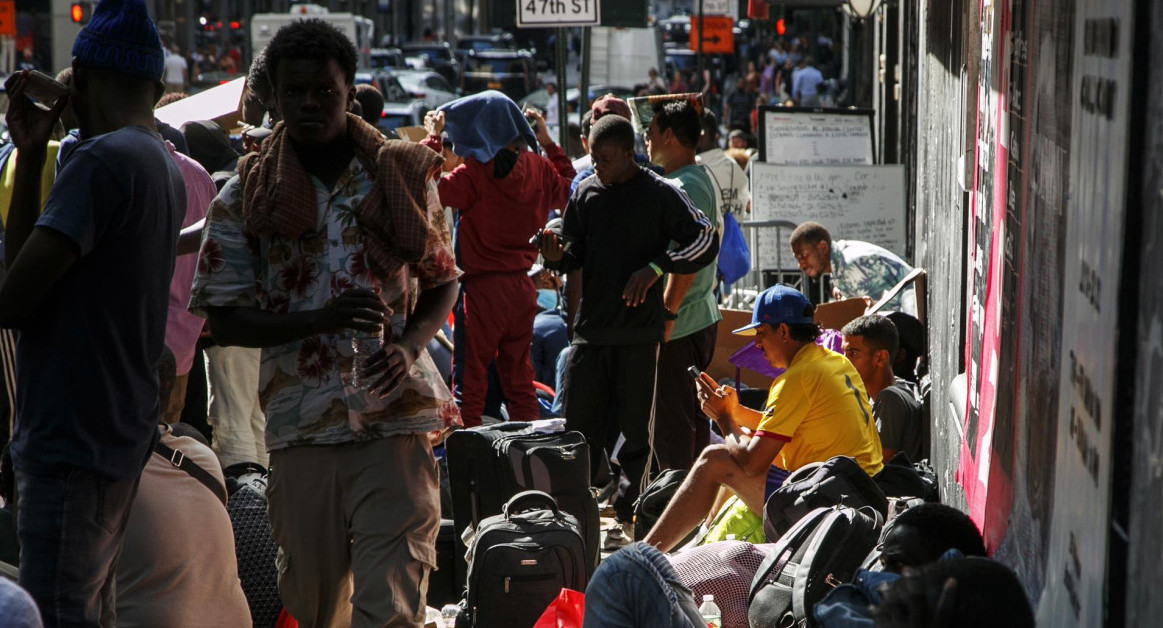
(121, 37)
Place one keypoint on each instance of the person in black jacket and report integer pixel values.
(618, 229)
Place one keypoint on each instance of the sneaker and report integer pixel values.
(618, 536)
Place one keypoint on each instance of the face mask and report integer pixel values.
(546, 299)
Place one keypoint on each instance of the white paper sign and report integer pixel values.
(854, 202)
(799, 137)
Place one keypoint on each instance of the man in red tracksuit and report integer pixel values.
(504, 193)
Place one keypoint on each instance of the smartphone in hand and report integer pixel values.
(44, 90)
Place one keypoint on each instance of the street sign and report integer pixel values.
(549, 13)
(8, 18)
(716, 7)
(717, 36)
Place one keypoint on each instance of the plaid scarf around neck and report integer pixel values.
(278, 197)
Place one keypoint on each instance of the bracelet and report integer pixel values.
(656, 269)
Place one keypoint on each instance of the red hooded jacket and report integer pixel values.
(498, 216)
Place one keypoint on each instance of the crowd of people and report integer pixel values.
(495, 279)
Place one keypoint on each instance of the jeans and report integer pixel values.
(637, 588)
(71, 523)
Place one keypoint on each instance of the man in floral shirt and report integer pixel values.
(331, 229)
(858, 269)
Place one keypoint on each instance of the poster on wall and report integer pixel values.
(986, 247)
(1095, 212)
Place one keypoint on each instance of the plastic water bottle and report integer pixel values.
(448, 615)
(363, 345)
(710, 612)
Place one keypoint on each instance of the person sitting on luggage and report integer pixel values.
(921, 534)
(858, 269)
(870, 342)
(815, 410)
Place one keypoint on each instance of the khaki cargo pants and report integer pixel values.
(356, 527)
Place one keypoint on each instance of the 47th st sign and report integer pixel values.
(548, 13)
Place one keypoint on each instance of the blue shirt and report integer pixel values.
(87, 386)
(805, 85)
(549, 338)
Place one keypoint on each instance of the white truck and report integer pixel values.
(622, 56)
(360, 30)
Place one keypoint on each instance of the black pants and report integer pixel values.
(613, 385)
(681, 429)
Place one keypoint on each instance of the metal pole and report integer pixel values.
(562, 85)
(583, 97)
(699, 60)
(396, 22)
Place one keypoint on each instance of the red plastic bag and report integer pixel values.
(285, 620)
(565, 611)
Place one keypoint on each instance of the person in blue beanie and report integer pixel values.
(87, 289)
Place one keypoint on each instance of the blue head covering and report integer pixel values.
(121, 37)
(482, 124)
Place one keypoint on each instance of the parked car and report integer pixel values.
(401, 113)
(479, 43)
(427, 86)
(511, 72)
(676, 30)
(433, 55)
(384, 58)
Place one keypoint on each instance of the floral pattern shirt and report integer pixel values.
(305, 399)
(862, 269)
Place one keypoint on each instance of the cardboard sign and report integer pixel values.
(222, 104)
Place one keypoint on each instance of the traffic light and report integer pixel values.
(780, 28)
(80, 12)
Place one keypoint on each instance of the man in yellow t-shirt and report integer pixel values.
(816, 409)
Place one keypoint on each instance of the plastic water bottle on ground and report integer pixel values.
(448, 615)
(363, 345)
(712, 616)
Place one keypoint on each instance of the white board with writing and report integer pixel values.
(854, 202)
(803, 137)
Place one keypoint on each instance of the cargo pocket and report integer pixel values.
(294, 602)
(423, 553)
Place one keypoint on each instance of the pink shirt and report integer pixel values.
(182, 327)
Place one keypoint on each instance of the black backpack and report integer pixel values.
(838, 480)
(821, 551)
(490, 464)
(520, 560)
(653, 501)
(901, 478)
(255, 549)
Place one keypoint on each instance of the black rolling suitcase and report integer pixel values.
(521, 559)
(489, 464)
(446, 583)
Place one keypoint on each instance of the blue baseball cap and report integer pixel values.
(778, 304)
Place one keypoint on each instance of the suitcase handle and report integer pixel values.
(529, 500)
